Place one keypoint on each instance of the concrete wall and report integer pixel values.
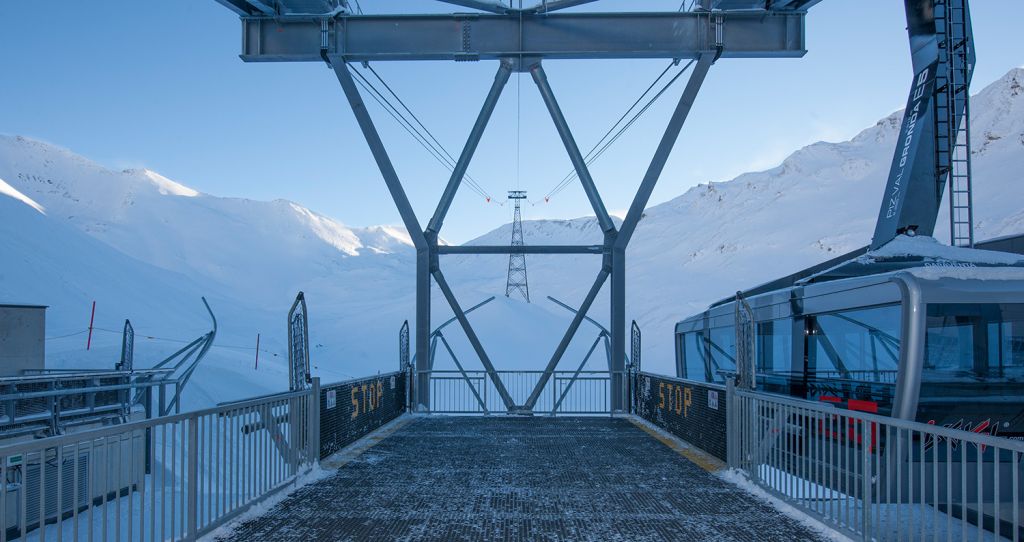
(22, 338)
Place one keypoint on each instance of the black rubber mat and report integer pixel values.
(498, 478)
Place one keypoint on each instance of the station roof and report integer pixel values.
(21, 306)
(264, 8)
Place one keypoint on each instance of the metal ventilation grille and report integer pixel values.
(68, 497)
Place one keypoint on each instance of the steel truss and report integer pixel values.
(613, 250)
(520, 41)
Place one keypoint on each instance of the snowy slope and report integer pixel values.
(821, 202)
(147, 247)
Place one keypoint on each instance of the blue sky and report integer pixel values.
(159, 85)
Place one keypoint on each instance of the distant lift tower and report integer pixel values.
(516, 282)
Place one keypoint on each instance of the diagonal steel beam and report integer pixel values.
(469, 310)
(564, 344)
(500, 79)
(574, 311)
(482, 5)
(465, 376)
(668, 140)
(473, 339)
(380, 154)
(539, 77)
(608, 351)
(433, 351)
(576, 375)
(547, 6)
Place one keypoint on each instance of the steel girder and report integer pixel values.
(522, 249)
(667, 35)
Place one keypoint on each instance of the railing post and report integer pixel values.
(753, 428)
(193, 477)
(731, 429)
(314, 422)
(148, 394)
(867, 441)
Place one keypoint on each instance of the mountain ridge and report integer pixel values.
(171, 243)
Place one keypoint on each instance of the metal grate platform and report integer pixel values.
(441, 478)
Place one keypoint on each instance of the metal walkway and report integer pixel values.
(496, 478)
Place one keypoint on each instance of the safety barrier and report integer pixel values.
(692, 411)
(173, 477)
(565, 392)
(874, 477)
(350, 410)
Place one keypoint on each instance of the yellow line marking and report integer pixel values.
(701, 459)
(352, 451)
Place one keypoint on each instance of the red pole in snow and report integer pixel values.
(88, 343)
(257, 351)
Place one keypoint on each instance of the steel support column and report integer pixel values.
(541, 78)
(424, 353)
(618, 324)
(636, 209)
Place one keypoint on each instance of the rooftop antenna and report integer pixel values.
(516, 282)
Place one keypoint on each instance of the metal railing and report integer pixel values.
(52, 401)
(174, 477)
(878, 478)
(566, 392)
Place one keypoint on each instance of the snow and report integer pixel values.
(964, 273)
(315, 474)
(928, 247)
(740, 479)
(146, 248)
(9, 191)
(166, 186)
(889, 521)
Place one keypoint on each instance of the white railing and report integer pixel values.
(566, 392)
(878, 478)
(168, 478)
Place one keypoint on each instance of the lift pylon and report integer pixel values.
(519, 39)
(516, 281)
(933, 144)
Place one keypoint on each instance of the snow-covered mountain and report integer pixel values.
(146, 247)
(821, 202)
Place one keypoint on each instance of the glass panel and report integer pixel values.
(974, 367)
(775, 372)
(723, 353)
(693, 356)
(860, 345)
(983, 341)
(775, 347)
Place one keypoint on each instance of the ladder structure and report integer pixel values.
(516, 282)
(952, 115)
